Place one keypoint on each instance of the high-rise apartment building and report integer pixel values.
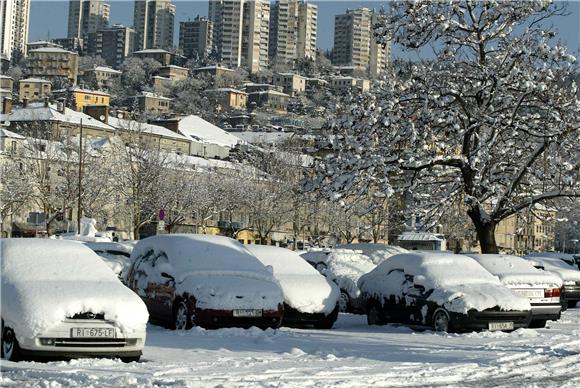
(114, 44)
(153, 21)
(196, 37)
(293, 25)
(14, 18)
(255, 38)
(354, 43)
(87, 16)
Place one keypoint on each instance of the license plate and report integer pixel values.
(530, 293)
(92, 332)
(501, 326)
(247, 313)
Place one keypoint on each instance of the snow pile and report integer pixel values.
(376, 252)
(88, 232)
(217, 270)
(45, 281)
(345, 267)
(569, 274)
(459, 282)
(304, 288)
(515, 271)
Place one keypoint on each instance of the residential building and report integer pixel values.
(255, 35)
(101, 76)
(527, 231)
(114, 44)
(215, 71)
(173, 73)
(252, 87)
(71, 44)
(6, 82)
(87, 16)
(153, 21)
(80, 98)
(41, 44)
(228, 98)
(162, 56)
(271, 99)
(196, 37)
(150, 103)
(354, 43)
(14, 23)
(34, 89)
(53, 62)
(293, 26)
(292, 84)
(227, 18)
(344, 84)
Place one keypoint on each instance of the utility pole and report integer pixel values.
(80, 179)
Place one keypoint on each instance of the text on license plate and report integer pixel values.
(247, 313)
(92, 332)
(501, 326)
(530, 293)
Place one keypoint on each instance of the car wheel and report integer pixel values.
(181, 317)
(375, 314)
(441, 320)
(130, 359)
(343, 302)
(320, 267)
(572, 304)
(10, 348)
(327, 322)
(538, 323)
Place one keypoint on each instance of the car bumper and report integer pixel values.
(571, 293)
(293, 317)
(58, 341)
(211, 319)
(550, 311)
(480, 320)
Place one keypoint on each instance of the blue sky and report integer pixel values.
(49, 18)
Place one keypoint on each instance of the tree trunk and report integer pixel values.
(485, 230)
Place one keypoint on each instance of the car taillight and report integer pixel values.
(552, 293)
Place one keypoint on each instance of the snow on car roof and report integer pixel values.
(110, 246)
(513, 270)
(201, 252)
(346, 266)
(376, 252)
(557, 266)
(284, 261)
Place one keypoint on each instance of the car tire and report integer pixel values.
(327, 322)
(538, 323)
(343, 302)
(572, 304)
(127, 360)
(441, 321)
(181, 316)
(375, 314)
(10, 350)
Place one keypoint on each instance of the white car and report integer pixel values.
(59, 299)
(569, 274)
(309, 297)
(543, 289)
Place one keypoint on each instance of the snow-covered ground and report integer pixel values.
(351, 354)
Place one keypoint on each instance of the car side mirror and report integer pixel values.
(167, 276)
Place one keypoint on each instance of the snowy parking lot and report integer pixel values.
(351, 354)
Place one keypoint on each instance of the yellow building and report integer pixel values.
(83, 97)
(228, 98)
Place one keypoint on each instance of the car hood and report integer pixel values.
(309, 294)
(478, 296)
(34, 308)
(220, 291)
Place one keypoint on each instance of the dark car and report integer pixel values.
(209, 281)
(444, 291)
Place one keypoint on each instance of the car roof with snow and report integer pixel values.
(200, 252)
(376, 252)
(348, 262)
(566, 271)
(284, 261)
(438, 269)
(110, 246)
(513, 270)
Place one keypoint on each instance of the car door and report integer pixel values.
(416, 301)
(140, 281)
(162, 289)
(393, 303)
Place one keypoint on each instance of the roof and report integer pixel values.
(5, 76)
(264, 137)
(51, 50)
(106, 69)
(152, 51)
(39, 112)
(212, 67)
(226, 90)
(412, 236)
(153, 95)
(275, 92)
(199, 129)
(10, 134)
(174, 67)
(291, 75)
(133, 125)
(34, 80)
(80, 90)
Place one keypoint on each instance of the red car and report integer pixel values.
(210, 281)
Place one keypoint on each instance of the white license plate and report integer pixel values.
(247, 313)
(501, 326)
(92, 332)
(536, 293)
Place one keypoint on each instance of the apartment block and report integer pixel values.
(113, 44)
(354, 43)
(14, 23)
(87, 16)
(307, 27)
(101, 76)
(53, 62)
(293, 26)
(196, 37)
(292, 84)
(255, 38)
(153, 21)
(34, 89)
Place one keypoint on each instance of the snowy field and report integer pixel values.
(352, 354)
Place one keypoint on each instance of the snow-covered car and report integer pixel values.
(345, 267)
(59, 299)
(309, 297)
(209, 281)
(376, 252)
(444, 291)
(316, 257)
(569, 274)
(543, 289)
(567, 257)
(117, 255)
